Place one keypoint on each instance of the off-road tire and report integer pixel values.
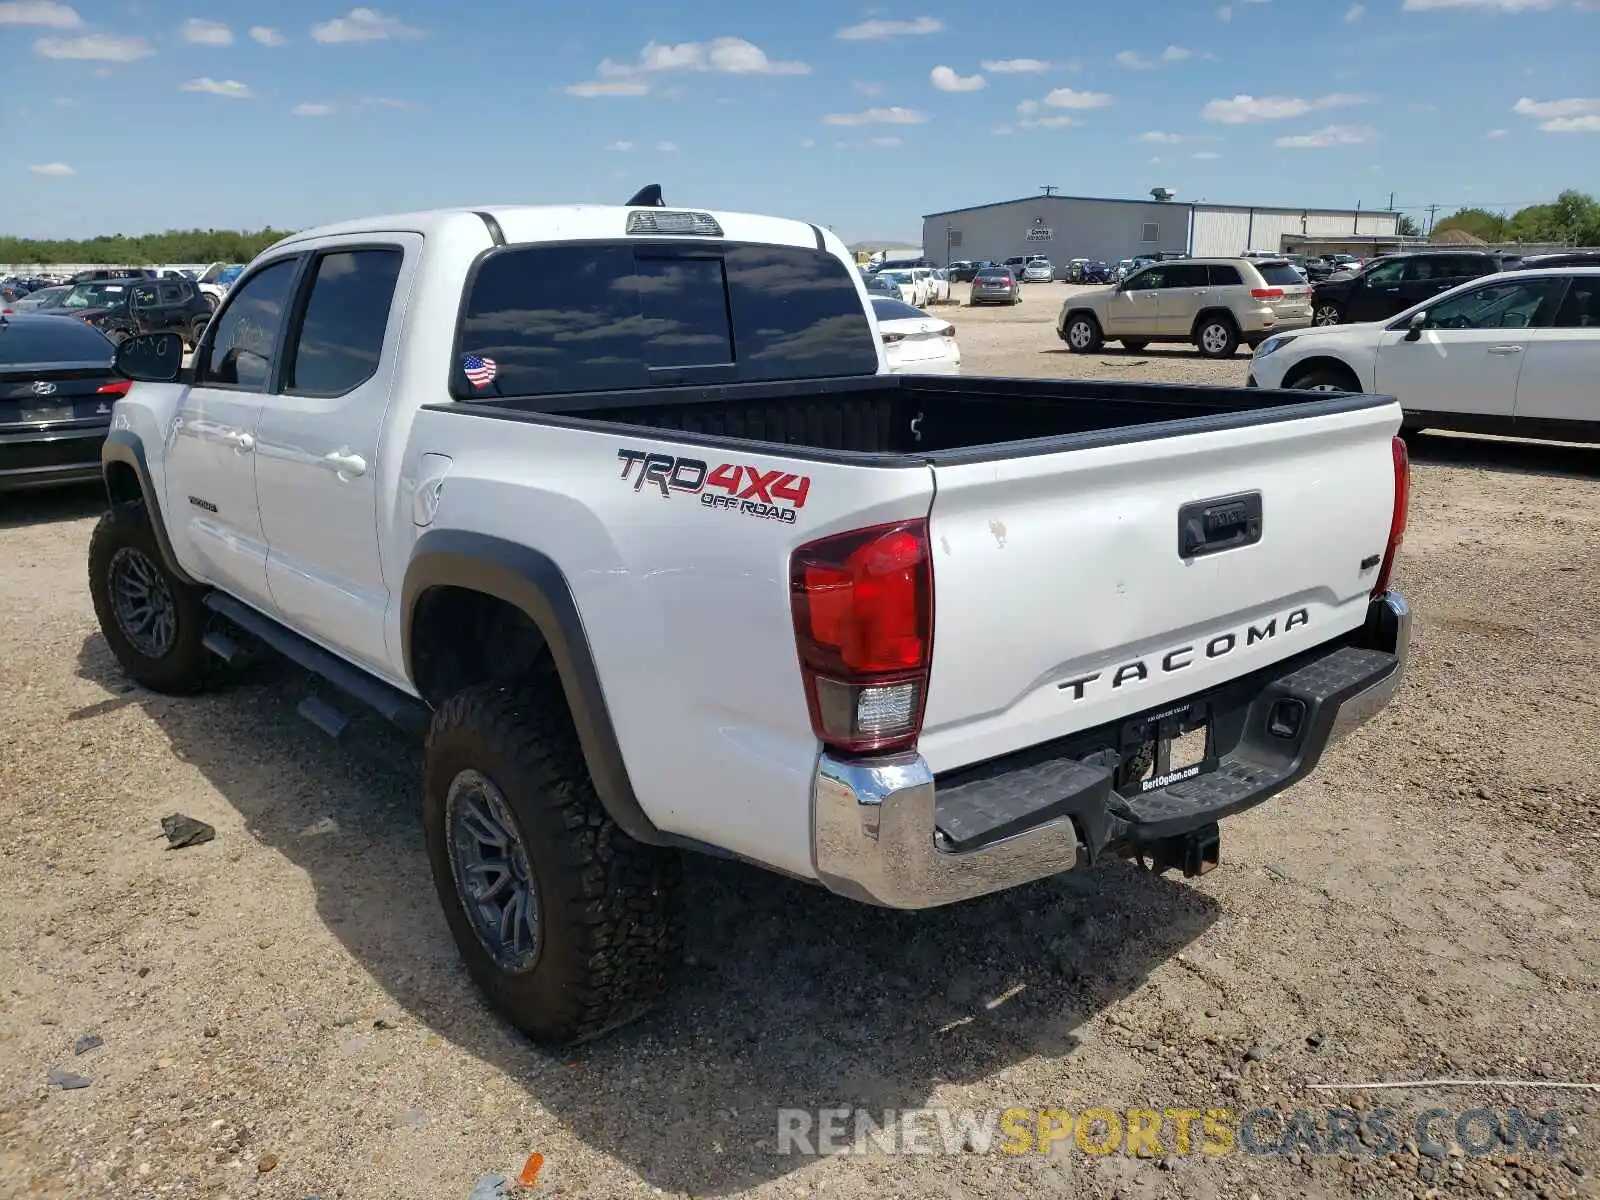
(610, 908)
(187, 666)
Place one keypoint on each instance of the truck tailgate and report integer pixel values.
(1063, 596)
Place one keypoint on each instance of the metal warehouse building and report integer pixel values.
(1066, 227)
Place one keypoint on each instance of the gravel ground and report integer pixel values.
(282, 1013)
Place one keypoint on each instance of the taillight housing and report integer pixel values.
(117, 387)
(1266, 293)
(863, 619)
(890, 338)
(1397, 522)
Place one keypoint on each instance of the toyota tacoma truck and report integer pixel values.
(617, 508)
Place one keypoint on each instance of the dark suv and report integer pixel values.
(1392, 284)
(120, 308)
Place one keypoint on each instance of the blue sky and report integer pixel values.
(132, 115)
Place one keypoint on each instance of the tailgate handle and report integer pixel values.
(1225, 523)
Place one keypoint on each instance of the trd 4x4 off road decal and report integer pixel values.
(735, 487)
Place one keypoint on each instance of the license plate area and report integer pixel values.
(40, 414)
(1167, 748)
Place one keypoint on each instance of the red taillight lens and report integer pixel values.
(948, 331)
(117, 387)
(889, 338)
(1266, 293)
(863, 618)
(1397, 523)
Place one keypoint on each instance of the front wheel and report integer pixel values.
(1083, 334)
(1216, 337)
(1321, 379)
(1327, 314)
(570, 927)
(152, 620)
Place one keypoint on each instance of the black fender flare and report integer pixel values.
(123, 446)
(532, 583)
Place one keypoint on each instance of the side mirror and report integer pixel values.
(150, 358)
(1414, 327)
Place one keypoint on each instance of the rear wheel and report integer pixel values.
(1216, 337)
(1083, 334)
(197, 330)
(1134, 345)
(569, 926)
(211, 301)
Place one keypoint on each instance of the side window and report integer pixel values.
(245, 333)
(1581, 309)
(796, 315)
(1386, 274)
(1145, 281)
(340, 338)
(172, 293)
(143, 296)
(1222, 275)
(1509, 304)
(1188, 275)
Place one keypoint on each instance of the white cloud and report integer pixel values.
(1354, 13)
(608, 87)
(229, 89)
(1002, 131)
(367, 102)
(313, 110)
(40, 12)
(1247, 110)
(620, 147)
(807, 143)
(946, 80)
(1157, 160)
(1068, 98)
(1134, 61)
(1015, 66)
(1162, 139)
(1588, 124)
(878, 30)
(1509, 6)
(1028, 106)
(867, 89)
(1177, 54)
(887, 143)
(104, 47)
(1054, 122)
(363, 25)
(727, 55)
(52, 169)
(1206, 155)
(1575, 115)
(894, 115)
(1495, 134)
(198, 31)
(266, 35)
(1330, 135)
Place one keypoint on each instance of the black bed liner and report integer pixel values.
(904, 420)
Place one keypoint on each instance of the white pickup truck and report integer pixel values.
(617, 507)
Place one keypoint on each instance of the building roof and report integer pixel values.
(1260, 208)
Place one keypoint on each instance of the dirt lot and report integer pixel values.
(283, 1016)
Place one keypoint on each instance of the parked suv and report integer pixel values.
(1390, 285)
(120, 308)
(1216, 303)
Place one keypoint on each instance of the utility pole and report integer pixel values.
(1432, 208)
(1049, 189)
(1356, 227)
(1391, 201)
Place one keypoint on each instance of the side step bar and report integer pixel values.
(394, 705)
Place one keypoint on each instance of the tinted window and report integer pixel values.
(1224, 276)
(245, 333)
(895, 310)
(51, 340)
(1581, 309)
(145, 295)
(1190, 275)
(589, 318)
(172, 293)
(341, 335)
(1464, 266)
(1280, 275)
(1386, 273)
(1515, 303)
(1155, 277)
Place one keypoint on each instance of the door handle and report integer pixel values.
(1392, 291)
(243, 442)
(1505, 349)
(345, 461)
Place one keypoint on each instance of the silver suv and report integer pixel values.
(1216, 303)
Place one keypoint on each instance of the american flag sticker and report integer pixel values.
(480, 371)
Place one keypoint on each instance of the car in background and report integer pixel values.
(1342, 264)
(1017, 263)
(1516, 353)
(994, 285)
(912, 290)
(1073, 271)
(215, 281)
(1216, 303)
(121, 308)
(915, 342)
(1039, 270)
(962, 270)
(1095, 271)
(1396, 282)
(43, 299)
(877, 285)
(1563, 258)
(57, 388)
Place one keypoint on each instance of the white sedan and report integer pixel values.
(913, 291)
(915, 343)
(1512, 353)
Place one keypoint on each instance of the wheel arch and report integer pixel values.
(126, 471)
(450, 564)
(1205, 314)
(1323, 362)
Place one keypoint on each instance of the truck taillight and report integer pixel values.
(863, 621)
(117, 387)
(1397, 522)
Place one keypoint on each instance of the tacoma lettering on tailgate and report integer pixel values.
(747, 490)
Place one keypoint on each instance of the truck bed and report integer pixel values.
(947, 419)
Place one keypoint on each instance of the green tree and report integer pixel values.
(173, 246)
(1407, 227)
(1479, 222)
